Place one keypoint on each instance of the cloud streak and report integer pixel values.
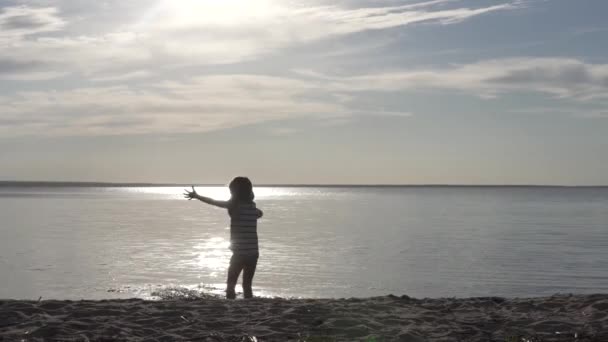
(340, 21)
(26, 70)
(558, 77)
(19, 21)
(178, 33)
(214, 102)
(197, 105)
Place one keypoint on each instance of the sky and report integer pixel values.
(305, 92)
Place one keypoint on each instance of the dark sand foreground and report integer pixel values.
(390, 318)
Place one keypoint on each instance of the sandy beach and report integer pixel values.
(388, 318)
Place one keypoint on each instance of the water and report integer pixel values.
(78, 242)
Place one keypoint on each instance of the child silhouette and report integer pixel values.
(243, 232)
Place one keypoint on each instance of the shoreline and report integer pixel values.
(562, 317)
(93, 184)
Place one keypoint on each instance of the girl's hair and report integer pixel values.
(241, 190)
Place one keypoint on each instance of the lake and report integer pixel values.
(116, 242)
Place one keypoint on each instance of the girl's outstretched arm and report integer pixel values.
(193, 195)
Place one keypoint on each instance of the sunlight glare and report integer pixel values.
(215, 192)
(213, 254)
(185, 13)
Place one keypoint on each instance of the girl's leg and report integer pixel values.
(248, 273)
(236, 265)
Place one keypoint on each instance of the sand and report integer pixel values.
(389, 318)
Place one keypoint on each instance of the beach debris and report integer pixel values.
(570, 334)
(181, 293)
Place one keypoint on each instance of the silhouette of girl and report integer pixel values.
(243, 232)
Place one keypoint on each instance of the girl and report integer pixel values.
(243, 232)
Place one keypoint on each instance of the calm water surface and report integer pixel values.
(76, 242)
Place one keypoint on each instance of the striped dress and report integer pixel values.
(244, 229)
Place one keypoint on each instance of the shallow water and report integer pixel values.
(79, 242)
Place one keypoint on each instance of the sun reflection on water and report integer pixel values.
(215, 192)
(212, 255)
(201, 262)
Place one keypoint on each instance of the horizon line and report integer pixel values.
(310, 185)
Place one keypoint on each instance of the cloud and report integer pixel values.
(137, 74)
(335, 20)
(264, 25)
(564, 110)
(119, 87)
(26, 70)
(220, 101)
(9, 65)
(558, 77)
(19, 21)
(197, 105)
(191, 32)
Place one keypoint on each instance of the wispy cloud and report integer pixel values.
(175, 33)
(559, 77)
(199, 104)
(19, 21)
(569, 111)
(137, 74)
(219, 101)
(27, 70)
(335, 20)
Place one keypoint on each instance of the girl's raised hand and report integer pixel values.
(190, 194)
